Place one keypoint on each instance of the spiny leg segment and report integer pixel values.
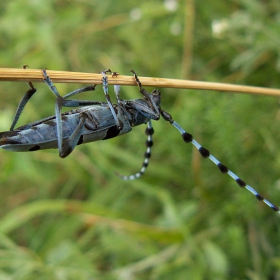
(105, 89)
(149, 143)
(188, 138)
(23, 102)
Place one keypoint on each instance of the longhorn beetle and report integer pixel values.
(97, 120)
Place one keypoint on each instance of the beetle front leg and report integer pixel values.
(147, 96)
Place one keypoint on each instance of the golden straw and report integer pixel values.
(35, 75)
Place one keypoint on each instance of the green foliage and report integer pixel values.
(73, 218)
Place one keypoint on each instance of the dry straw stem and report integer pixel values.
(35, 75)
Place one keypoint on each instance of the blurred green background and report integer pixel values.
(74, 218)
